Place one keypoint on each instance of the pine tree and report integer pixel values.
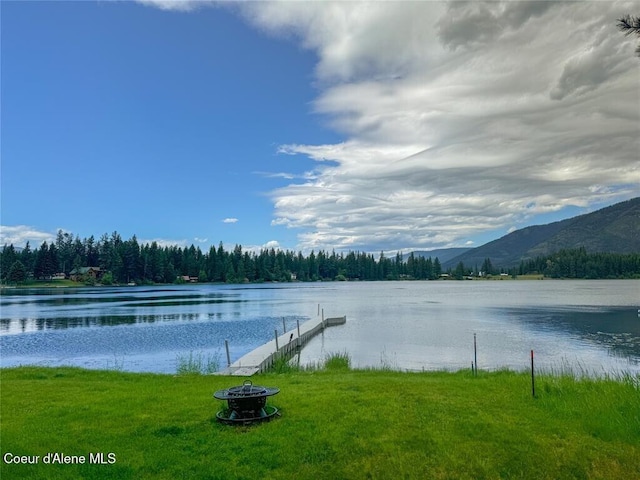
(9, 256)
(629, 25)
(437, 268)
(17, 272)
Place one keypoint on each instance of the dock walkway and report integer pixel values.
(263, 357)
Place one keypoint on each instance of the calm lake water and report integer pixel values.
(590, 326)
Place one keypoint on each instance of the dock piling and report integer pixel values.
(533, 378)
(263, 357)
(475, 354)
(226, 346)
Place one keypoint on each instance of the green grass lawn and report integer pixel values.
(334, 424)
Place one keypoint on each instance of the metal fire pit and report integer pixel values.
(246, 404)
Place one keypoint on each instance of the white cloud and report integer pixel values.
(179, 5)
(19, 235)
(256, 249)
(230, 220)
(201, 240)
(458, 118)
(272, 244)
(286, 175)
(165, 242)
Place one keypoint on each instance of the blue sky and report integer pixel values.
(363, 126)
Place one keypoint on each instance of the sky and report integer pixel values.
(347, 126)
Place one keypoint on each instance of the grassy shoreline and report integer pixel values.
(335, 423)
(71, 284)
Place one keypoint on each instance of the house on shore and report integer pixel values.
(188, 279)
(85, 273)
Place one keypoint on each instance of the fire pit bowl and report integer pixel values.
(246, 404)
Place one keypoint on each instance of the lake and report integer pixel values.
(589, 326)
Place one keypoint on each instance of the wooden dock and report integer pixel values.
(263, 357)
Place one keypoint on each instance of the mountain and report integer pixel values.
(614, 229)
(443, 254)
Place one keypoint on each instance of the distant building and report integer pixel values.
(188, 279)
(85, 273)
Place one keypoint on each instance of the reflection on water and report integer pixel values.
(34, 310)
(82, 297)
(24, 325)
(137, 329)
(404, 325)
(615, 328)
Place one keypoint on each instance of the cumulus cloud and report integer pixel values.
(272, 244)
(492, 114)
(458, 118)
(230, 220)
(19, 235)
(256, 249)
(164, 242)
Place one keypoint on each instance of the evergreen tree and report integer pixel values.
(17, 272)
(92, 252)
(9, 256)
(27, 258)
(459, 271)
(65, 252)
(630, 25)
(382, 267)
(41, 258)
(131, 260)
(437, 268)
(53, 264)
(487, 267)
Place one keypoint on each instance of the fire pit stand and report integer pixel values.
(246, 404)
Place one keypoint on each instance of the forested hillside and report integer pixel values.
(614, 229)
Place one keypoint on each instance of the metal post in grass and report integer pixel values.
(475, 354)
(276, 333)
(226, 346)
(533, 378)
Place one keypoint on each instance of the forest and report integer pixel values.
(127, 261)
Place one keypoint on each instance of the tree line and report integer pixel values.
(578, 263)
(566, 263)
(127, 261)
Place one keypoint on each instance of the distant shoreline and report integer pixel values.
(64, 284)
